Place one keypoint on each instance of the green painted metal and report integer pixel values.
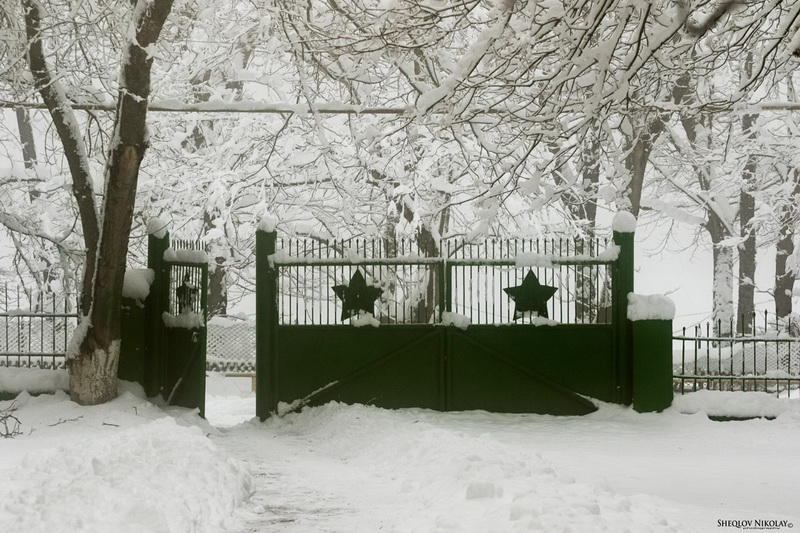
(134, 348)
(430, 366)
(156, 303)
(185, 368)
(505, 368)
(652, 365)
(266, 325)
(167, 361)
(622, 285)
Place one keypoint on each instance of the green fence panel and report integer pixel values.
(392, 366)
(579, 357)
(652, 365)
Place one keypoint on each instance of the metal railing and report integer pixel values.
(35, 327)
(464, 278)
(716, 357)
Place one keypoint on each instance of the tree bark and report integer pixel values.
(747, 249)
(747, 211)
(74, 149)
(26, 137)
(93, 373)
(784, 249)
(638, 154)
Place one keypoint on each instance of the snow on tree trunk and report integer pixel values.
(723, 289)
(93, 371)
(747, 211)
(785, 258)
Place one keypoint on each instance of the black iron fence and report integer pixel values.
(35, 327)
(469, 277)
(715, 357)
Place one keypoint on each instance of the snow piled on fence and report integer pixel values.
(190, 320)
(735, 404)
(156, 227)
(650, 307)
(123, 467)
(364, 319)
(185, 256)
(454, 319)
(35, 380)
(624, 222)
(137, 283)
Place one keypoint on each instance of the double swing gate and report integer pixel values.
(443, 332)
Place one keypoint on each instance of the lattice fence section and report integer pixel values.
(35, 327)
(231, 345)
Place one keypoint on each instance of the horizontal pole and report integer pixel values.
(736, 339)
(32, 354)
(276, 108)
(332, 108)
(39, 315)
(344, 261)
(186, 264)
(718, 377)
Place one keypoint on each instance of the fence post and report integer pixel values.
(622, 285)
(155, 306)
(443, 275)
(266, 324)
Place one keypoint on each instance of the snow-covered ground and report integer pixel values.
(357, 468)
(132, 466)
(126, 466)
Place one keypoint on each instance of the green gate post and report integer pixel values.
(266, 325)
(155, 305)
(622, 285)
(652, 365)
(133, 351)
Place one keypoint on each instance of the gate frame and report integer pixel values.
(267, 313)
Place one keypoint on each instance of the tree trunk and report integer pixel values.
(638, 154)
(74, 149)
(784, 248)
(747, 251)
(747, 211)
(722, 288)
(93, 372)
(26, 137)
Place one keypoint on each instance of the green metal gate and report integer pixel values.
(413, 358)
(164, 337)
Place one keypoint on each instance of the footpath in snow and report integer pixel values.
(359, 468)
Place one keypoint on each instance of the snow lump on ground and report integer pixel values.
(122, 467)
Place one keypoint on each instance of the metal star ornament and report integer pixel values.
(530, 296)
(357, 297)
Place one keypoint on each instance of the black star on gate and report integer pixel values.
(530, 296)
(357, 296)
